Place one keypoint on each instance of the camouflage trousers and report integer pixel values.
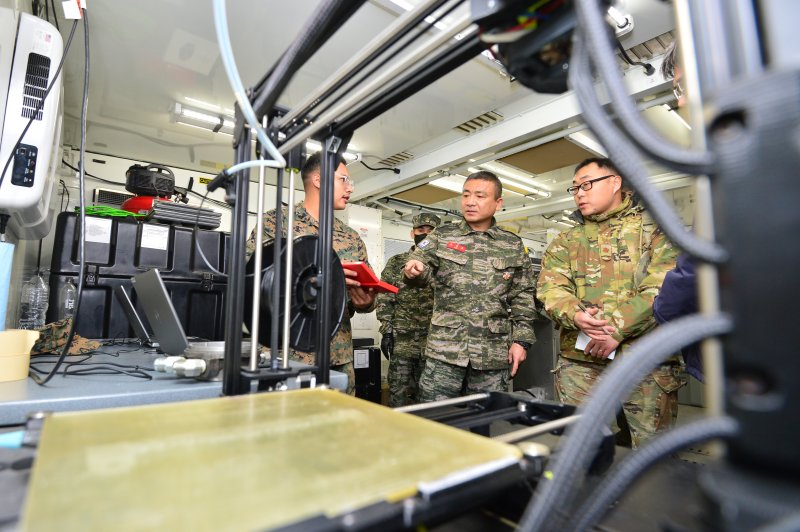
(346, 368)
(441, 380)
(651, 407)
(403, 377)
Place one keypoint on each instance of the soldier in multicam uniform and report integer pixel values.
(612, 265)
(405, 318)
(483, 306)
(347, 244)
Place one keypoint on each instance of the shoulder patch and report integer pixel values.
(425, 243)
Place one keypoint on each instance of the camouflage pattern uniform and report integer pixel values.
(483, 301)
(349, 246)
(53, 338)
(407, 316)
(616, 261)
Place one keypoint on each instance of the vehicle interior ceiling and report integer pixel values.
(475, 117)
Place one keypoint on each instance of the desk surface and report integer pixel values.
(87, 392)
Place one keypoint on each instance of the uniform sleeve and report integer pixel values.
(521, 298)
(269, 234)
(556, 287)
(426, 254)
(634, 317)
(386, 301)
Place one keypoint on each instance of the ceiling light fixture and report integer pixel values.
(219, 122)
(214, 122)
(512, 178)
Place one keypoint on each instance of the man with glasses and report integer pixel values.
(483, 305)
(598, 282)
(347, 244)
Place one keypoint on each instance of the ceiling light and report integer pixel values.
(215, 122)
(509, 180)
(314, 146)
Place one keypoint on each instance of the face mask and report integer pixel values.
(419, 238)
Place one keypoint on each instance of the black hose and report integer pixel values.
(327, 16)
(575, 453)
(790, 523)
(81, 199)
(592, 22)
(628, 470)
(627, 159)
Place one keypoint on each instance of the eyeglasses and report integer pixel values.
(678, 90)
(587, 185)
(346, 180)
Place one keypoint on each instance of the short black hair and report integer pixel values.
(483, 175)
(314, 163)
(670, 61)
(602, 162)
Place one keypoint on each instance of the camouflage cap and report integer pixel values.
(53, 336)
(426, 218)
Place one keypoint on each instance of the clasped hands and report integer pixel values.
(601, 343)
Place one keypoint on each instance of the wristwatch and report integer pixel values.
(525, 345)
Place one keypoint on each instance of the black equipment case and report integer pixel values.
(118, 248)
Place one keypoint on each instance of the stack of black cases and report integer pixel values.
(119, 248)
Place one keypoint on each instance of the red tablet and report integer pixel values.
(367, 277)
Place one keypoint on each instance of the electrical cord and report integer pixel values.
(628, 160)
(629, 469)
(55, 15)
(555, 488)
(395, 170)
(598, 42)
(81, 180)
(648, 68)
(41, 104)
(84, 367)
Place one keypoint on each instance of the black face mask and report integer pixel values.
(419, 238)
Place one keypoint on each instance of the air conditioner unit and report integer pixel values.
(30, 51)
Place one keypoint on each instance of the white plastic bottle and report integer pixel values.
(67, 297)
(33, 304)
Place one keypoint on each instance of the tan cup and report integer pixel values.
(15, 353)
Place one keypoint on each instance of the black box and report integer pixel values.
(119, 248)
(368, 379)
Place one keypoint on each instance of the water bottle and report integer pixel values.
(66, 300)
(33, 305)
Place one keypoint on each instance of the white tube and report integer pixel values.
(226, 52)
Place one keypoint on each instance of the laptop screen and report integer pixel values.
(160, 312)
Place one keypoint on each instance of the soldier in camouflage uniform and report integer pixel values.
(612, 265)
(482, 322)
(347, 244)
(405, 318)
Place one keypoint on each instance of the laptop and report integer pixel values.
(160, 313)
(134, 319)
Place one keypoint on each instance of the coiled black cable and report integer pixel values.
(556, 489)
(628, 470)
(599, 44)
